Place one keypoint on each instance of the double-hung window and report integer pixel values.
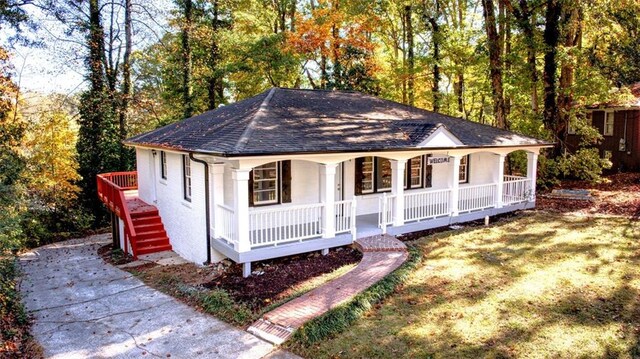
(415, 176)
(186, 177)
(367, 174)
(608, 123)
(163, 165)
(383, 174)
(265, 184)
(464, 170)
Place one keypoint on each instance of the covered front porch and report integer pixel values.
(326, 211)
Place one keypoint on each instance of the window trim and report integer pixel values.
(613, 121)
(466, 169)
(372, 176)
(277, 188)
(406, 176)
(186, 178)
(423, 173)
(378, 175)
(163, 165)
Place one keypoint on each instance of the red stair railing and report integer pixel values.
(111, 187)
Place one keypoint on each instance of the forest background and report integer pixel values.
(525, 65)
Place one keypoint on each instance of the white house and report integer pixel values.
(292, 171)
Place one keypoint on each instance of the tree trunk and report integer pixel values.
(96, 47)
(187, 64)
(335, 48)
(126, 84)
(572, 25)
(214, 83)
(459, 90)
(551, 38)
(410, 56)
(436, 40)
(495, 63)
(526, 22)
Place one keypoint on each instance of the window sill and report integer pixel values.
(163, 181)
(186, 204)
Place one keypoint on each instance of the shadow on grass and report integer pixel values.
(539, 285)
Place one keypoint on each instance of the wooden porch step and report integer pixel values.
(153, 242)
(154, 249)
(150, 235)
(152, 225)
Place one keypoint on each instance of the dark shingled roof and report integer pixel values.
(304, 121)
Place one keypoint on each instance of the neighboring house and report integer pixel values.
(619, 124)
(292, 171)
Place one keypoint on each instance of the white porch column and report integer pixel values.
(216, 174)
(500, 180)
(532, 170)
(328, 198)
(455, 185)
(241, 208)
(397, 189)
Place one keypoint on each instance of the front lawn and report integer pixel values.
(540, 285)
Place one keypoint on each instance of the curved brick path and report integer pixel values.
(382, 255)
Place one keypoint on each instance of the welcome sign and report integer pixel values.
(438, 160)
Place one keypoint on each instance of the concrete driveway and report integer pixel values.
(83, 307)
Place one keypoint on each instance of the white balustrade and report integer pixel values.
(385, 211)
(515, 191)
(509, 178)
(429, 204)
(227, 219)
(473, 198)
(345, 216)
(273, 226)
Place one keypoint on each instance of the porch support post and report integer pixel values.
(241, 208)
(397, 189)
(532, 169)
(500, 180)
(216, 173)
(328, 198)
(455, 185)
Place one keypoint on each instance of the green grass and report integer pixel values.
(537, 286)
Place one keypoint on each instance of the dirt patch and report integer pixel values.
(114, 256)
(618, 194)
(274, 279)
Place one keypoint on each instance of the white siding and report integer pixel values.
(184, 221)
(482, 167)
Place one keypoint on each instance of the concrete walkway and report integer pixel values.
(382, 255)
(84, 308)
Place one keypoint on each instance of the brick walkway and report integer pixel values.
(382, 255)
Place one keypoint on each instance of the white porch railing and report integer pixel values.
(429, 204)
(274, 226)
(385, 211)
(509, 178)
(516, 190)
(227, 219)
(472, 198)
(345, 216)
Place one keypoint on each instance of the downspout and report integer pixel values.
(206, 206)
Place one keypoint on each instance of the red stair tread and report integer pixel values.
(148, 225)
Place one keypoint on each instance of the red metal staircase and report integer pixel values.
(144, 230)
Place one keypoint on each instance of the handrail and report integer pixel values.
(112, 194)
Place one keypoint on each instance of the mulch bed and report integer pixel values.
(272, 279)
(618, 194)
